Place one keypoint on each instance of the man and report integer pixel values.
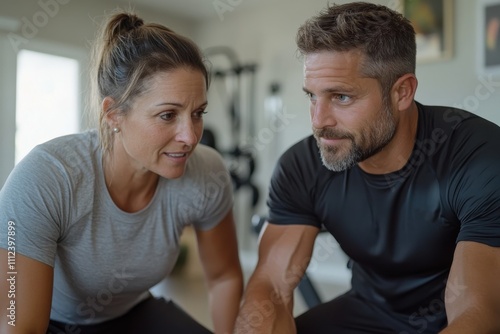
(410, 192)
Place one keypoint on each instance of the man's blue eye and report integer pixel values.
(343, 98)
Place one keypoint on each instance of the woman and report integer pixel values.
(96, 217)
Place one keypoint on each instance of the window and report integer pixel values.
(47, 99)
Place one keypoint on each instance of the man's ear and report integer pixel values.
(110, 112)
(403, 91)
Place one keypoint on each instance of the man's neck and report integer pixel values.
(396, 154)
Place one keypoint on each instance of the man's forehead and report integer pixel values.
(327, 56)
(326, 63)
(330, 62)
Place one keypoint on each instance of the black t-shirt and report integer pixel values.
(400, 229)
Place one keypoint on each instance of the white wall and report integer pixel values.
(454, 82)
(7, 107)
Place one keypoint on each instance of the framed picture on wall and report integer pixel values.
(488, 39)
(433, 24)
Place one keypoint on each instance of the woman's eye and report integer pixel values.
(199, 113)
(167, 116)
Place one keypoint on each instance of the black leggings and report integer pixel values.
(152, 316)
(349, 314)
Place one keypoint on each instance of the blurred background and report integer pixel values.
(256, 105)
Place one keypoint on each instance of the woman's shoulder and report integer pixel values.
(205, 165)
(70, 144)
(205, 157)
(206, 151)
(71, 149)
(70, 157)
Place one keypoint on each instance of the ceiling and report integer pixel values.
(192, 9)
(195, 9)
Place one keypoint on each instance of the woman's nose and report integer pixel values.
(186, 133)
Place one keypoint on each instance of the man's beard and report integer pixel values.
(372, 139)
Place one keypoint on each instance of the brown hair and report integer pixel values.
(385, 38)
(127, 53)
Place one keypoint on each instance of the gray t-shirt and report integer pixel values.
(104, 259)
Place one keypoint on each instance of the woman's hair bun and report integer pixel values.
(123, 23)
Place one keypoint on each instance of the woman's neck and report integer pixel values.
(130, 188)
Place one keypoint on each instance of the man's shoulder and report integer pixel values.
(303, 150)
(451, 118)
(459, 125)
(302, 162)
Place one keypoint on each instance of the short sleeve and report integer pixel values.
(215, 187)
(31, 202)
(475, 188)
(292, 186)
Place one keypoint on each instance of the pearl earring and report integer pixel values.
(116, 130)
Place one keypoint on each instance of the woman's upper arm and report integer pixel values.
(218, 248)
(26, 290)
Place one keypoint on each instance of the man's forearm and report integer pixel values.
(265, 311)
(473, 323)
